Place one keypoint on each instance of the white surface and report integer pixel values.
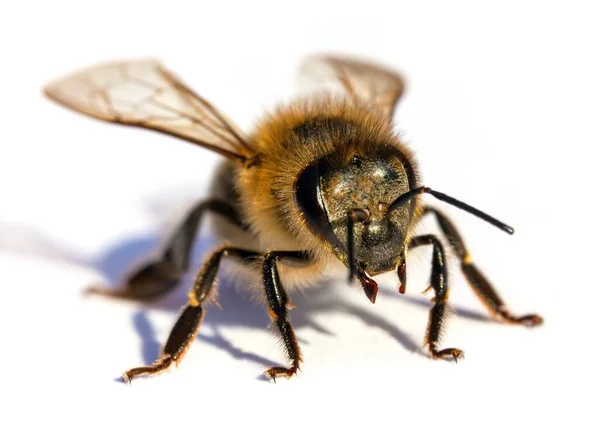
(502, 108)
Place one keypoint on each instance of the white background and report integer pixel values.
(502, 109)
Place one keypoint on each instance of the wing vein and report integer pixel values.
(144, 94)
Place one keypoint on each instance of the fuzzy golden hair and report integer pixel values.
(267, 187)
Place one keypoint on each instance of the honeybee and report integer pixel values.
(322, 183)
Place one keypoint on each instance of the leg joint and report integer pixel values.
(419, 241)
(206, 277)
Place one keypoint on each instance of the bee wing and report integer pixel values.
(142, 93)
(359, 80)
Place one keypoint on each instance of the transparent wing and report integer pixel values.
(359, 80)
(144, 94)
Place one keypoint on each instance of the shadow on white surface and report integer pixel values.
(240, 310)
(25, 241)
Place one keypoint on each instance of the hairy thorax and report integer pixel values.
(289, 141)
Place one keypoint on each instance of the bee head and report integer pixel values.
(364, 206)
(346, 201)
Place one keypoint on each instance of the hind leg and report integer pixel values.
(158, 277)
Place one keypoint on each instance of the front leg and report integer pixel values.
(278, 303)
(439, 283)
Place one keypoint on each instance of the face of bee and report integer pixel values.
(368, 183)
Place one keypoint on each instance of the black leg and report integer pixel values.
(482, 287)
(278, 304)
(439, 283)
(155, 279)
(189, 321)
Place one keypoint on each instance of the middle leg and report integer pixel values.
(187, 325)
(479, 283)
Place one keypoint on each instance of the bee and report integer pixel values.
(323, 183)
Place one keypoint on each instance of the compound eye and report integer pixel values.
(309, 201)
